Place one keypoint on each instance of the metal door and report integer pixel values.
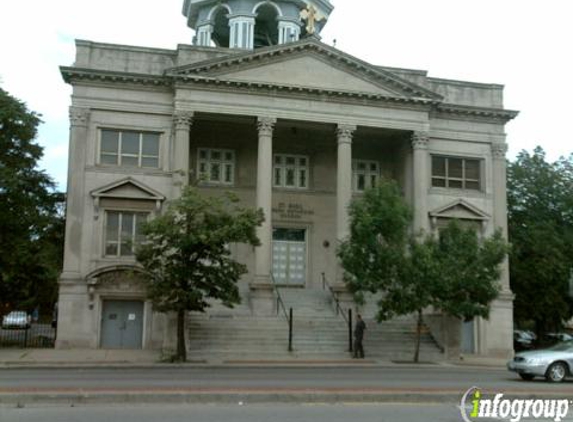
(289, 256)
(468, 337)
(122, 324)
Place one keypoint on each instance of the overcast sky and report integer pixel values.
(525, 45)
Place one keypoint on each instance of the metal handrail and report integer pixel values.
(339, 310)
(281, 305)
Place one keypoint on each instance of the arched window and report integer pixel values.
(221, 32)
(266, 26)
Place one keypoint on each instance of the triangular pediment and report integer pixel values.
(306, 65)
(460, 209)
(128, 189)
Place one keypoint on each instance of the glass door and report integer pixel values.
(289, 256)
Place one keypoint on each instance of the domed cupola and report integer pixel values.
(248, 24)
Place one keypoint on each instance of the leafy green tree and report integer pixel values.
(187, 258)
(540, 214)
(31, 228)
(456, 272)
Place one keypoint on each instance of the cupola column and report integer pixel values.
(289, 31)
(242, 32)
(204, 35)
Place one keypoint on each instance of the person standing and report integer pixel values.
(358, 337)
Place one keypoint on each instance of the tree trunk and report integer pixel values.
(418, 336)
(181, 355)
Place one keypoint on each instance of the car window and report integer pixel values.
(563, 347)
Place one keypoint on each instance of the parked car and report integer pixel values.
(559, 337)
(554, 363)
(16, 319)
(523, 340)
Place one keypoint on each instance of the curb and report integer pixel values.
(79, 398)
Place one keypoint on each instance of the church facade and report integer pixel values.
(258, 105)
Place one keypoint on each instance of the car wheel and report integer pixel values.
(527, 377)
(556, 372)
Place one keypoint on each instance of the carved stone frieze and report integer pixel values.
(122, 279)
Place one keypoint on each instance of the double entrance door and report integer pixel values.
(122, 324)
(289, 256)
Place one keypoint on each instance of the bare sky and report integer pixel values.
(525, 45)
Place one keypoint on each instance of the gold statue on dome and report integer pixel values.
(311, 15)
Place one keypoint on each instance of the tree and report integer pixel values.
(455, 272)
(31, 228)
(186, 255)
(540, 214)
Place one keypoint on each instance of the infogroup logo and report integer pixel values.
(474, 406)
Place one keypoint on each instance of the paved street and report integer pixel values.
(244, 412)
(431, 377)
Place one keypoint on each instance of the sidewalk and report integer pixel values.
(100, 357)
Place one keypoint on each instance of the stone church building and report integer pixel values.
(258, 105)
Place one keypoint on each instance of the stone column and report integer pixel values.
(182, 121)
(343, 193)
(75, 193)
(73, 316)
(498, 151)
(264, 199)
(421, 177)
(262, 296)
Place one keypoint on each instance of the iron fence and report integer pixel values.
(36, 335)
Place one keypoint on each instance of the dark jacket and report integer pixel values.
(359, 329)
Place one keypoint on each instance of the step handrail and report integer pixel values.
(281, 305)
(339, 310)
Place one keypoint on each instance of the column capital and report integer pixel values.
(79, 116)
(183, 119)
(344, 133)
(420, 140)
(266, 125)
(498, 151)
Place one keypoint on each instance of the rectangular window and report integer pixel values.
(365, 174)
(129, 148)
(216, 166)
(456, 173)
(123, 232)
(290, 171)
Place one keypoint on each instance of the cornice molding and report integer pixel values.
(438, 109)
(495, 115)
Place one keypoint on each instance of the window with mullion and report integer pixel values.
(129, 148)
(216, 166)
(456, 173)
(290, 171)
(123, 232)
(365, 174)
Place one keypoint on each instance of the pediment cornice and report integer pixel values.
(308, 46)
(451, 210)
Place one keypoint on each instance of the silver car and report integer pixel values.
(16, 319)
(554, 363)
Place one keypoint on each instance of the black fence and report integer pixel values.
(36, 335)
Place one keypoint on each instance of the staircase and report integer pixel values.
(318, 334)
